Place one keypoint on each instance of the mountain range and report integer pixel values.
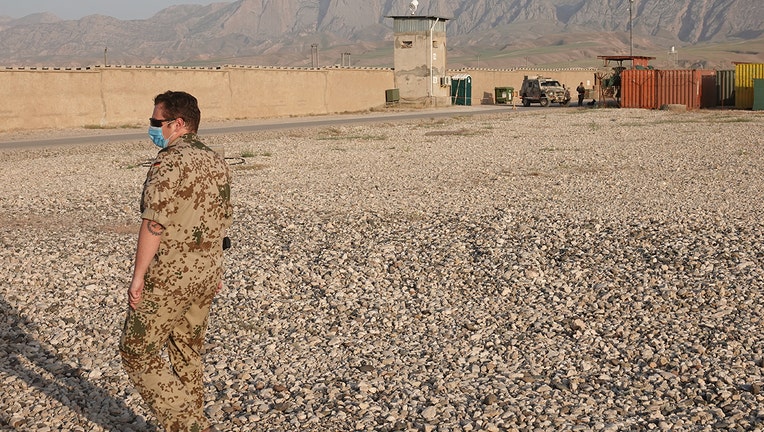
(481, 33)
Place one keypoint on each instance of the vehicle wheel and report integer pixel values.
(526, 102)
(565, 102)
(544, 102)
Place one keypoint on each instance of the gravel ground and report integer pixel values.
(540, 270)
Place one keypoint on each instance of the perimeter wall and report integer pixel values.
(118, 96)
(121, 96)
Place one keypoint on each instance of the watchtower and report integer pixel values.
(419, 58)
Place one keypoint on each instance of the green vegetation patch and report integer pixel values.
(251, 154)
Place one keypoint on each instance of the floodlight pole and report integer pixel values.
(432, 27)
(631, 34)
(314, 56)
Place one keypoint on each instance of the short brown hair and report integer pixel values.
(178, 104)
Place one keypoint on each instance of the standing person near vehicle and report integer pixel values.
(581, 92)
(186, 211)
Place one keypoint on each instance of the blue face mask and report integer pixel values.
(157, 137)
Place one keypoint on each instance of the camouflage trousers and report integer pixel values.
(178, 321)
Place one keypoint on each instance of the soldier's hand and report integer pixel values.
(135, 292)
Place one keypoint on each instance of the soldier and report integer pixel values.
(186, 210)
(581, 93)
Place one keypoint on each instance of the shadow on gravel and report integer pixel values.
(31, 362)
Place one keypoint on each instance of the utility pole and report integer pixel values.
(104, 55)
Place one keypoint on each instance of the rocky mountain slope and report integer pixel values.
(281, 32)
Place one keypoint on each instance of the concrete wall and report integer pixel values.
(119, 96)
(37, 99)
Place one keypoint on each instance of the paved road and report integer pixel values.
(265, 124)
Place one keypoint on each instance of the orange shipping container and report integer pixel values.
(651, 89)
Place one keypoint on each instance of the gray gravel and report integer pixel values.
(541, 270)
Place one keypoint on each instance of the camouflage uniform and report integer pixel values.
(187, 190)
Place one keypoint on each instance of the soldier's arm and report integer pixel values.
(148, 244)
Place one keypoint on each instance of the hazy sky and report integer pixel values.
(76, 9)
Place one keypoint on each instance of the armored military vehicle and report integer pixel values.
(541, 90)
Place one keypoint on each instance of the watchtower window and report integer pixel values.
(407, 44)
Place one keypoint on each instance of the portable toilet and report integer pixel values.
(461, 89)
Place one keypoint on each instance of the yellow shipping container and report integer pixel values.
(745, 73)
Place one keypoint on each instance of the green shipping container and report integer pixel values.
(758, 94)
(725, 88)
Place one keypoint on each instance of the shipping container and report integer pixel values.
(652, 89)
(708, 90)
(725, 88)
(758, 94)
(638, 88)
(745, 73)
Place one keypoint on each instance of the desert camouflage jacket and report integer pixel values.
(188, 191)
